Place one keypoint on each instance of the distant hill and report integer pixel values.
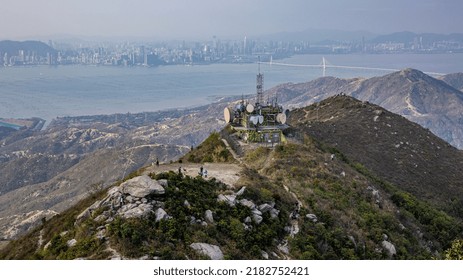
(13, 47)
(330, 36)
(320, 35)
(430, 102)
(454, 79)
(409, 37)
(394, 148)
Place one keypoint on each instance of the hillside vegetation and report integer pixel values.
(311, 198)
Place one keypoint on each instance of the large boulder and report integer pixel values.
(161, 214)
(247, 203)
(264, 208)
(229, 199)
(142, 186)
(389, 247)
(212, 251)
(209, 217)
(141, 210)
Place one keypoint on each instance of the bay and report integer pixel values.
(49, 92)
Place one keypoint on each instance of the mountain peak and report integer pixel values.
(388, 144)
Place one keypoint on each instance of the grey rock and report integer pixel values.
(71, 243)
(186, 203)
(352, 239)
(126, 208)
(256, 212)
(209, 217)
(274, 213)
(264, 208)
(142, 186)
(283, 247)
(141, 210)
(212, 251)
(87, 213)
(264, 255)
(229, 199)
(389, 247)
(312, 217)
(294, 229)
(161, 214)
(247, 203)
(101, 234)
(101, 218)
(82, 216)
(247, 220)
(144, 200)
(129, 199)
(163, 182)
(241, 191)
(257, 219)
(204, 224)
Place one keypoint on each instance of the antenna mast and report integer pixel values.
(260, 86)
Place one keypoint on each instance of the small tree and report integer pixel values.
(455, 252)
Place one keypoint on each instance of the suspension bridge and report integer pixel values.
(325, 64)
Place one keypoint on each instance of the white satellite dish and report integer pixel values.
(254, 120)
(227, 114)
(250, 108)
(260, 119)
(281, 118)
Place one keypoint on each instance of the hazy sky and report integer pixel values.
(203, 18)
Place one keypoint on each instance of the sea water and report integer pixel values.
(48, 92)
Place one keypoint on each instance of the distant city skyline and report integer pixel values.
(183, 19)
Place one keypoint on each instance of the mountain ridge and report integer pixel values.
(309, 198)
(427, 101)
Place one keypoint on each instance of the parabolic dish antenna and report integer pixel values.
(227, 114)
(250, 108)
(281, 118)
(254, 120)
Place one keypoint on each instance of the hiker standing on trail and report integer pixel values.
(205, 173)
(157, 162)
(201, 171)
(179, 170)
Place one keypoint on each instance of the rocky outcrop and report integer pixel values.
(212, 251)
(129, 200)
(312, 217)
(142, 186)
(138, 211)
(209, 217)
(229, 199)
(389, 247)
(161, 214)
